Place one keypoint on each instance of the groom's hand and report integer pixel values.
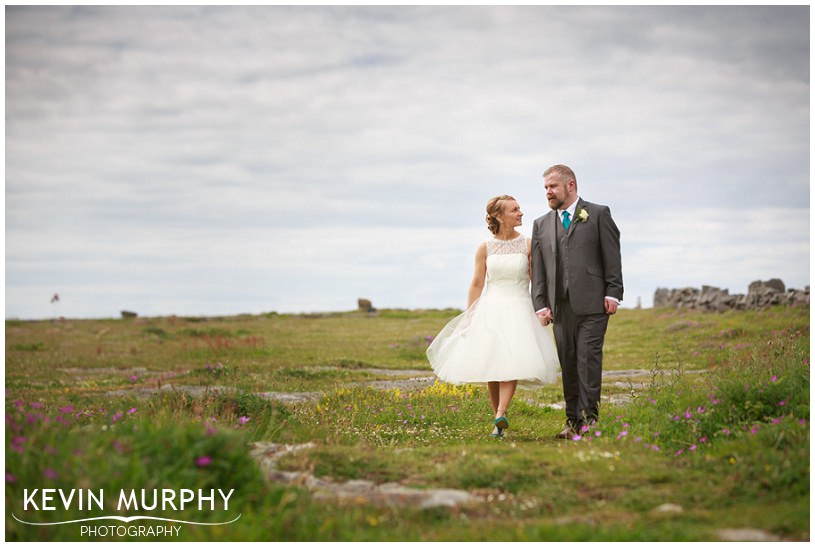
(545, 316)
(611, 306)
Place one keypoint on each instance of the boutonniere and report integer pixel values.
(582, 215)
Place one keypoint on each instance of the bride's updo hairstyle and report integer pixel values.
(495, 206)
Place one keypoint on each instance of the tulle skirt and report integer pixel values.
(498, 338)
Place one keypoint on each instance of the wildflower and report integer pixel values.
(726, 431)
(203, 461)
(117, 417)
(577, 438)
(688, 414)
(622, 434)
(49, 473)
(754, 430)
(776, 421)
(243, 420)
(18, 440)
(35, 405)
(692, 448)
(700, 409)
(782, 403)
(133, 378)
(774, 378)
(679, 452)
(655, 448)
(802, 422)
(703, 439)
(66, 409)
(132, 410)
(10, 477)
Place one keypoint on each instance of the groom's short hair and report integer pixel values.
(564, 171)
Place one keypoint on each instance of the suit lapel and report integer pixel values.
(575, 221)
(551, 229)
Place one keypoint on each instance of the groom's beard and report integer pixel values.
(556, 204)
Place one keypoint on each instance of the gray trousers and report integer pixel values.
(580, 350)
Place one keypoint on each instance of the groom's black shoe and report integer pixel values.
(567, 433)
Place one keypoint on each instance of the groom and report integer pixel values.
(577, 283)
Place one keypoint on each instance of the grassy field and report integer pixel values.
(704, 429)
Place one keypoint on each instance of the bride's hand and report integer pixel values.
(545, 316)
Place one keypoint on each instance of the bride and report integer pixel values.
(498, 339)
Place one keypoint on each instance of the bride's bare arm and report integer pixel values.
(479, 276)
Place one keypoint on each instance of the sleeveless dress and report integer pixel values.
(499, 337)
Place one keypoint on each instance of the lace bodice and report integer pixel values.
(508, 265)
(512, 246)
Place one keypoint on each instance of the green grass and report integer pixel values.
(718, 426)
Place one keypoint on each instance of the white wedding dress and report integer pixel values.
(499, 337)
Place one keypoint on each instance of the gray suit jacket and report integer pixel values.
(591, 254)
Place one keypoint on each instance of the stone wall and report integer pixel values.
(760, 295)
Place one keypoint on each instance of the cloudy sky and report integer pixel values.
(209, 160)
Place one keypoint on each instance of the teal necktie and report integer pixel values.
(566, 221)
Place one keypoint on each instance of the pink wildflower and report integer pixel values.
(17, 443)
(203, 461)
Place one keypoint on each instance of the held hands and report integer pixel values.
(545, 316)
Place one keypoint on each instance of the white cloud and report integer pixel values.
(161, 152)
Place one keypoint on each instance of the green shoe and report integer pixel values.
(502, 423)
